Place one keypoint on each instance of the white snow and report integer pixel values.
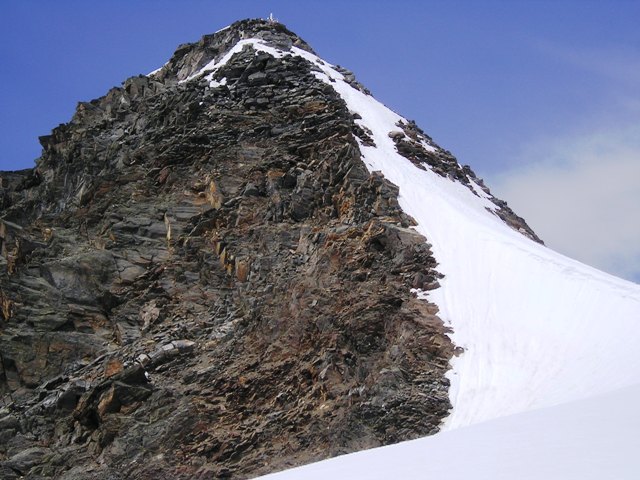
(150, 74)
(575, 441)
(215, 83)
(538, 329)
(479, 191)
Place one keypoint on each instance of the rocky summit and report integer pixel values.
(200, 278)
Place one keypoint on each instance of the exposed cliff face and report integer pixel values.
(201, 277)
(204, 279)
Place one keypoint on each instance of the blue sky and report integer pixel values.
(540, 97)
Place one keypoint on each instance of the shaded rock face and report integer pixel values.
(206, 282)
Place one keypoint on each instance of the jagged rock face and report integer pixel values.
(206, 282)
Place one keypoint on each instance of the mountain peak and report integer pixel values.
(244, 262)
(203, 261)
(191, 57)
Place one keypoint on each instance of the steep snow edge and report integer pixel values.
(537, 328)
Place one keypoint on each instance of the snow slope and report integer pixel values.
(538, 329)
(573, 441)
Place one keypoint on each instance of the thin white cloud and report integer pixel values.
(582, 196)
(619, 63)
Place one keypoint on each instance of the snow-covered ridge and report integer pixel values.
(538, 328)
